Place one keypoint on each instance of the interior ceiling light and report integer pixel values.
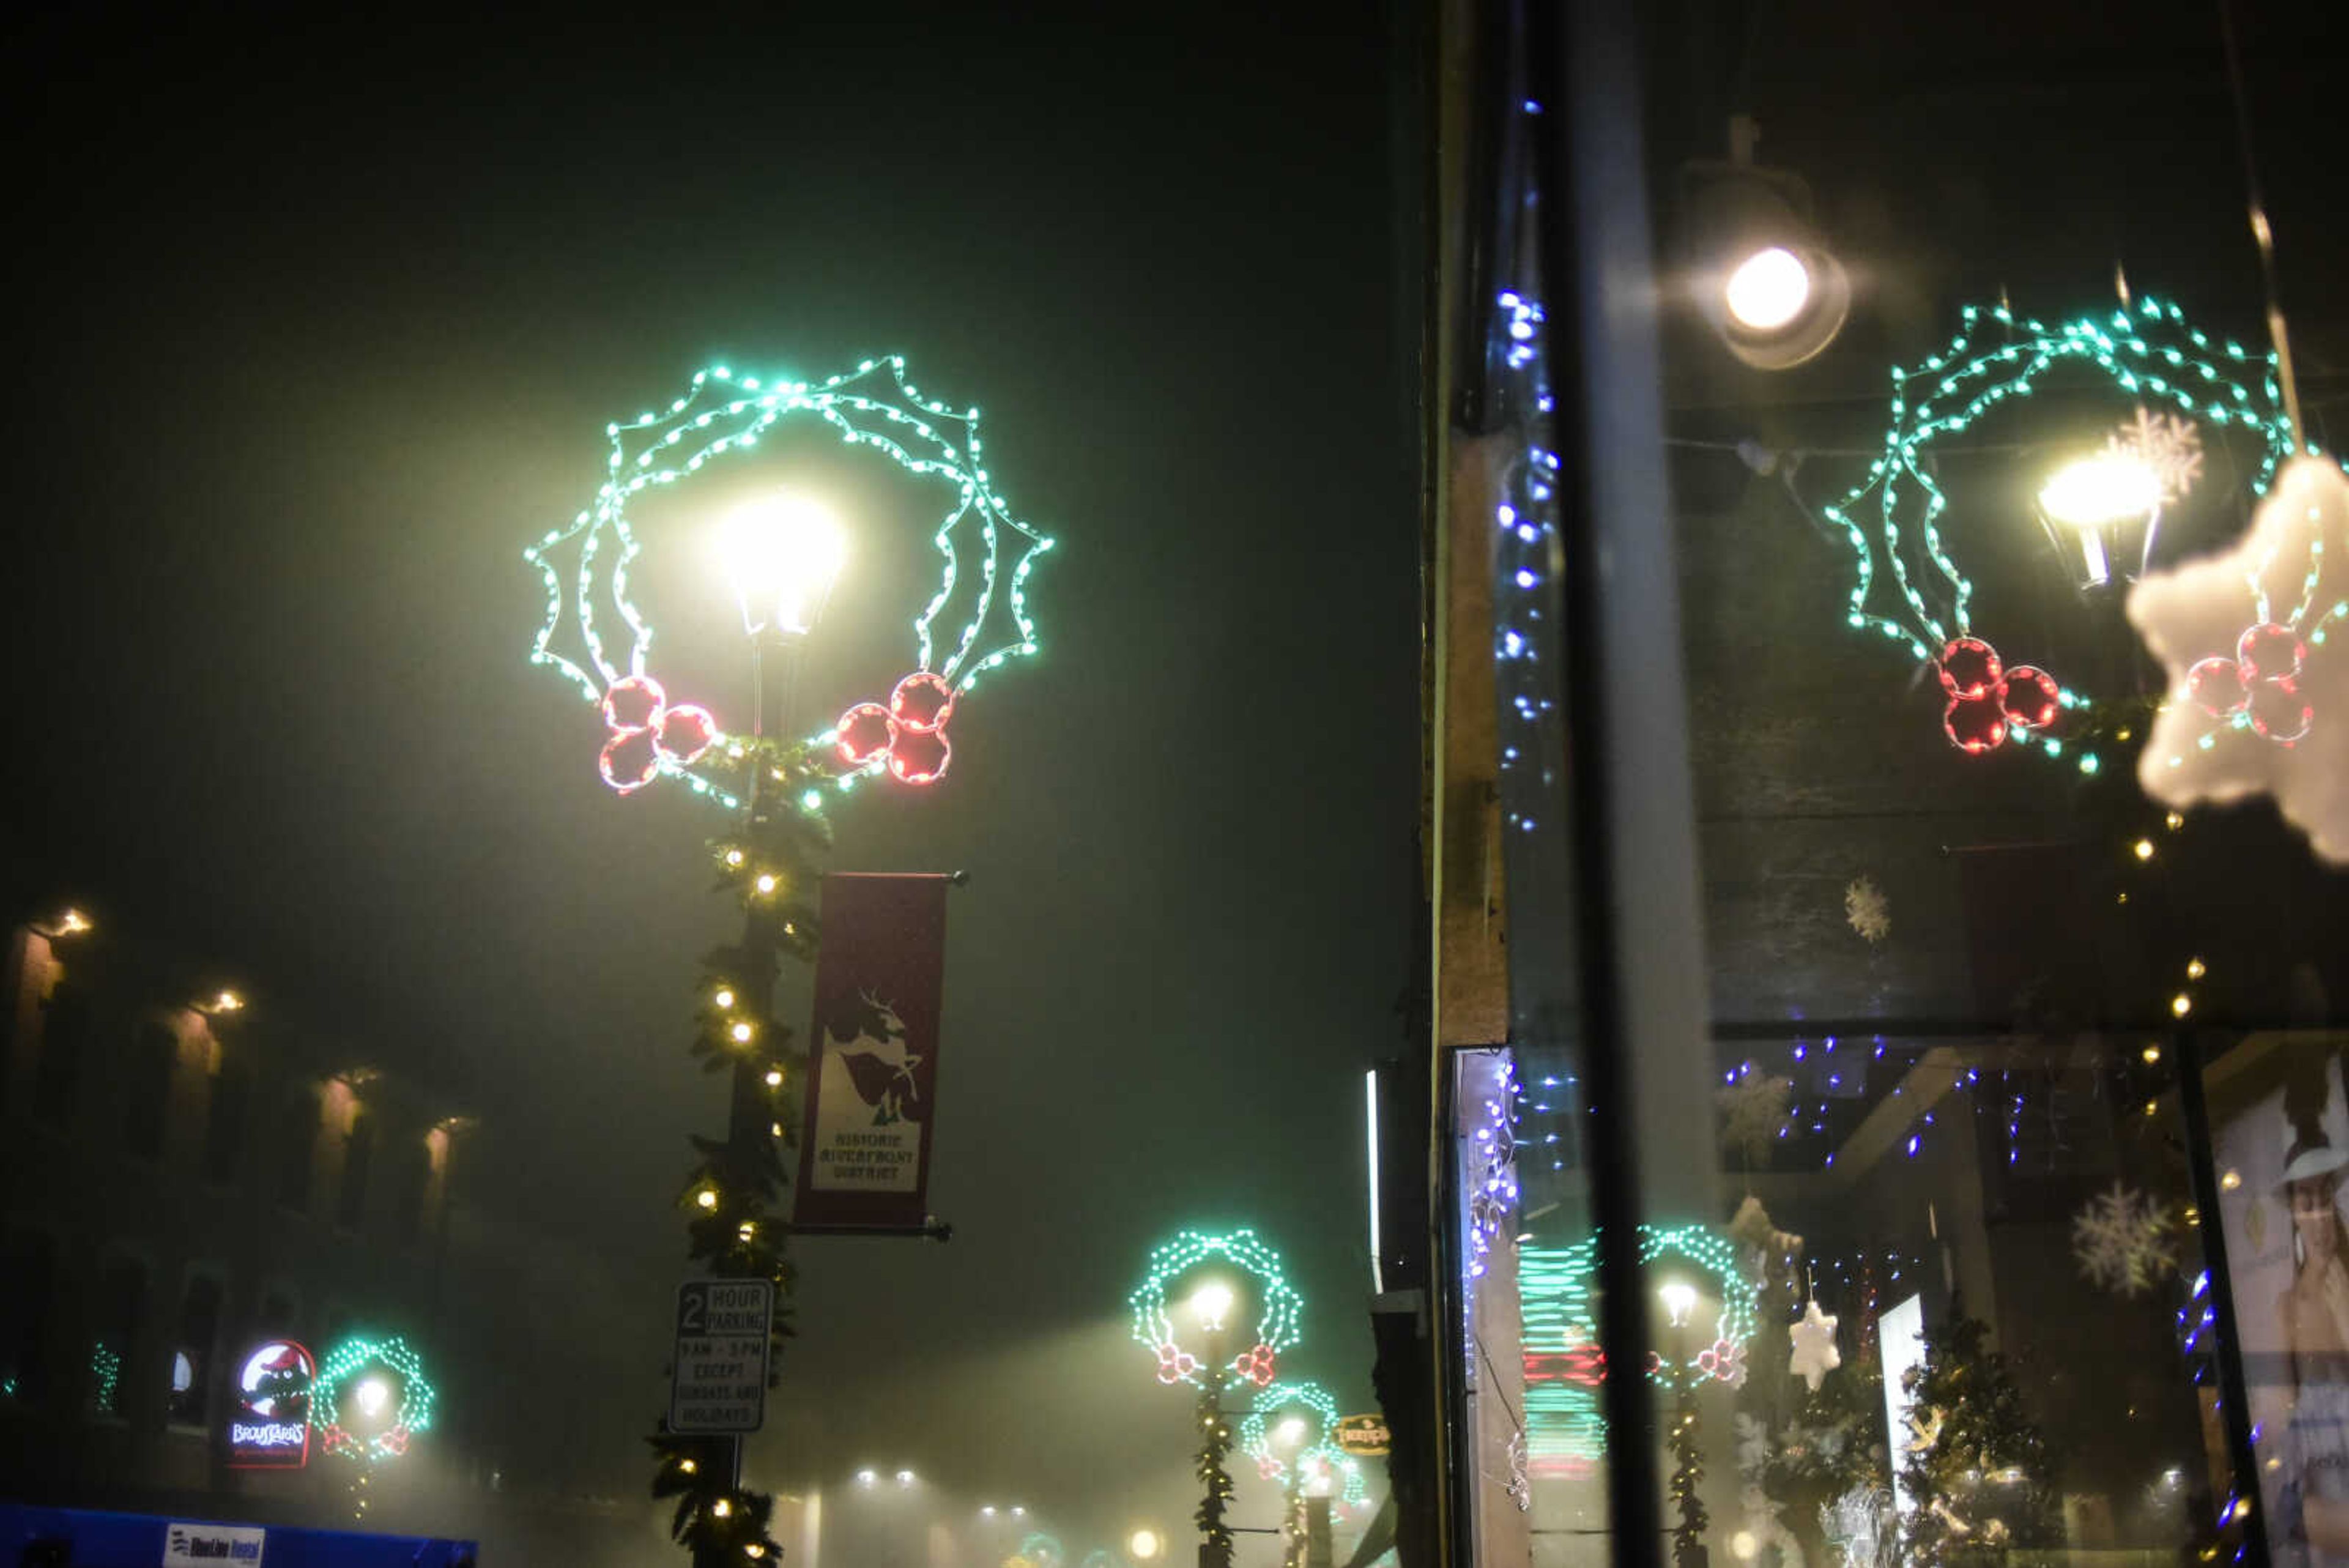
(1757, 268)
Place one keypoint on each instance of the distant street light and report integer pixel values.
(904, 1478)
(866, 1477)
(1144, 1545)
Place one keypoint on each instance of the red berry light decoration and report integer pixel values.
(1988, 701)
(909, 735)
(648, 736)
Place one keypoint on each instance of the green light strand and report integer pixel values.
(2151, 352)
(871, 406)
(1279, 1311)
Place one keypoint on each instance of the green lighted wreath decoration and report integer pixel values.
(352, 1359)
(597, 636)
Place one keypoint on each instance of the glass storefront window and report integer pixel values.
(2001, 1220)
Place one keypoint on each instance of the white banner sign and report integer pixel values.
(214, 1544)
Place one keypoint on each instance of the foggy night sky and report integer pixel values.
(326, 325)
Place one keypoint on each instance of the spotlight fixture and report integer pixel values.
(1757, 268)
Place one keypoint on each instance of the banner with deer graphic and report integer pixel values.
(864, 1157)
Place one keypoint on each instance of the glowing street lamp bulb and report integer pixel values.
(1018, 1511)
(1291, 1432)
(371, 1396)
(1144, 1545)
(988, 1511)
(904, 1478)
(1210, 1302)
(782, 552)
(2110, 487)
(1680, 1300)
(866, 1477)
(1767, 290)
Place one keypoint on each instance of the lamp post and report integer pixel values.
(782, 553)
(1288, 1444)
(1211, 1304)
(1688, 1468)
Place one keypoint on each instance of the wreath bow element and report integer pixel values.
(1257, 1365)
(648, 736)
(1987, 699)
(911, 731)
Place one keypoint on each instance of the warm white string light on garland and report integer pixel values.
(607, 641)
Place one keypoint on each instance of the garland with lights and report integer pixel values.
(1688, 1477)
(1279, 1306)
(972, 624)
(2149, 352)
(1214, 1445)
(736, 1224)
(352, 1359)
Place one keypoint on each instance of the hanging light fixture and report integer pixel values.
(1758, 270)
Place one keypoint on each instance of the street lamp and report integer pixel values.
(1144, 1545)
(2095, 498)
(1211, 1302)
(783, 552)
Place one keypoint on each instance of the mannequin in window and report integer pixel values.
(2315, 1319)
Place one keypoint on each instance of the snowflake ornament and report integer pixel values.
(2257, 688)
(975, 619)
(2122, 1240)
(1866, 910)
(2169, 446)
(1814, 1338)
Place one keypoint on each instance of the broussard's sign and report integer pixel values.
(270, 1428)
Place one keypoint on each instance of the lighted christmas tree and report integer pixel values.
(1975, 1469)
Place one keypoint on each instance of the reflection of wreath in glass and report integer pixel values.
(969, 627)
(2149, 352)
(353, 1358)
(1279, 1306)
(1255, 1437)
(1731, 1298)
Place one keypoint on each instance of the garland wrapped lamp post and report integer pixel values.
(1205, 1272)
(784, 554)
